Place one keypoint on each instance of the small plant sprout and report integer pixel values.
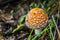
(36, 19)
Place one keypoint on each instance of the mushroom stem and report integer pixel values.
(37, 32)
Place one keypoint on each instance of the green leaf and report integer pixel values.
(48, 8)
(44, 3)
(11, 11)
(21, 19)
(51, 24)
(33, 5)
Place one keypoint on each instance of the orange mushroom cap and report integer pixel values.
(36, 18)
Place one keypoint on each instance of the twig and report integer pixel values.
(55, 25)
(54, 35)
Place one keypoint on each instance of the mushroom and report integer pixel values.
(37, 19)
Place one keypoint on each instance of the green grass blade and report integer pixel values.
(29, 38)
(18, 27)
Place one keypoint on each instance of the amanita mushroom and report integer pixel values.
(37, 19)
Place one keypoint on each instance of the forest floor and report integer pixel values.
(12, 19)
